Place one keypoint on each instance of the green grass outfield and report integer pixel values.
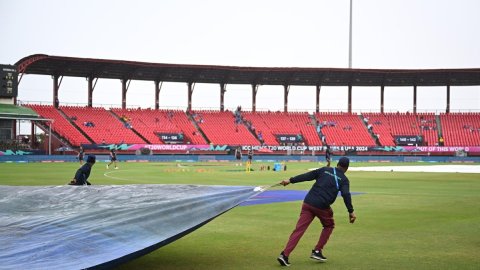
(404, 220)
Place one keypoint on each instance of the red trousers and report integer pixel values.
(307, 214)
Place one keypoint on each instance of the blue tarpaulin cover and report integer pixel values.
(77, 227)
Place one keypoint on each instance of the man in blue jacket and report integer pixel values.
(328, 182)
(82, 174)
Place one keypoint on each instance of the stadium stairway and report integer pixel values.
(390, 124)
(101, 126)
(151, 122)
(370, 131)
(261, 125)
(457, 129)
(132, 129)
(249, 128)
(197, 127)
(428, 126)
(74, 124)
(62, 127)
(319, 132)
(315, 123)
(220, 128)
(381, 125)
(191, 133)
(55, 135)
(344, 129)
(439, 126)
(275, 123)
(303, 121)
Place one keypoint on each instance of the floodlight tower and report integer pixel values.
(350, 39)
(350, 60)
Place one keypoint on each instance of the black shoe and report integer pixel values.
(283, 260)
(317, 255)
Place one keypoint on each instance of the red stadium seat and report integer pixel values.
(344, 129)
(461, 129)
(149, 122)
(220, 128)
(60, 125)
(106, 127)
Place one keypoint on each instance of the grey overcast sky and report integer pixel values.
(393, 34)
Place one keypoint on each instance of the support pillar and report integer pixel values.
(286, 90)
(124, 93)
(50, 138)
(254, 97)
(158, 86)
(317, 96)
(13, 134)
(90, 91)
(349, 98)
(222, 96)
(414, 99)
(56, 86)
(33, 138)
(191, 86)
(382, 98)
(448, 99)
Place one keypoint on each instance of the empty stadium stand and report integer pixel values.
(461, 129)
(61, 126)
(380, 125)
(182, 120)
(390, 124)
(149, 123)
(344, 129)
(280, 123)
(85, 125)
(101, 125)
(306, 126)
(259, 125)
(403, 124)
(427, 123)
(220, 128)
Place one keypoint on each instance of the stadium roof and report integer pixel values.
(10, 111)
(41, 64)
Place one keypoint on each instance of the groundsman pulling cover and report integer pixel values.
(78, 227)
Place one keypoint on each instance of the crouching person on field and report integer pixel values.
(82, 174)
